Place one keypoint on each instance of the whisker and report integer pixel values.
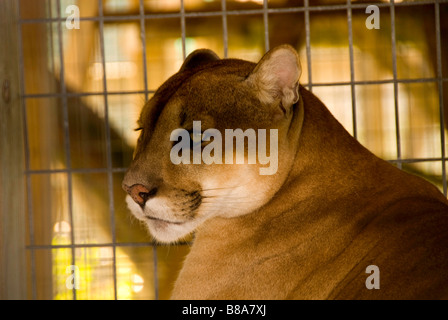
(221, 188)
(232, 196)
(235, 201)
(225, 197)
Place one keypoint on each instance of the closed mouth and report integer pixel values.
(161, 220)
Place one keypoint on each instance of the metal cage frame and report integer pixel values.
(306, 9)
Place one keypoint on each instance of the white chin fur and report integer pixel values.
(162, 231)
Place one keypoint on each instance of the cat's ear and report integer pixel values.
(198, 58)
(275, 78)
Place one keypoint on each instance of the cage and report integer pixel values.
(76, 73)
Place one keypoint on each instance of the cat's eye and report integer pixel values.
(138, 129)
(198, 138)
(206, 135)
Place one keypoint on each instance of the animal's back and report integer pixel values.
(407, 246)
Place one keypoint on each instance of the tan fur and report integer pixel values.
(307, 232)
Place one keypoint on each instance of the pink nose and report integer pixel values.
(140, 194)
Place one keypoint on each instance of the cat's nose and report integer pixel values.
(140, 193)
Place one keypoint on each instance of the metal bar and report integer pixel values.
(224, 28)
(83, 94)
(308, 45)
(143, 39)
(52, 58)
(440, 87)
(156, 271)
(394, 71)
(266, 25)
(100, 245)
(76, 171)
(415, 160)
(27, 161)
(66, 136)
(110, 180)
(316, 84)
(182, 28)
(352, 68)
(369, 82)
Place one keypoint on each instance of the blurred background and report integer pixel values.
(82, 90)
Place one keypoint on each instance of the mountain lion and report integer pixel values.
(311, 230)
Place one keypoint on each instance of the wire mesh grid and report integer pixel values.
(307, 8)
